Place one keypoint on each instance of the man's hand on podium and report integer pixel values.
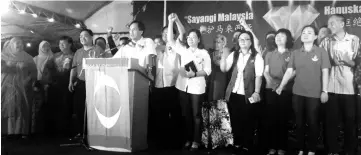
(149, 71)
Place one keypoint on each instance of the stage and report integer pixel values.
(42, 145)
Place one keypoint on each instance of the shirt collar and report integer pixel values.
(249, 51)
(195, 51)
(346, 38)
(132, 44)
(287, 50)
(141, 39)
(91, 48)
(312, 49)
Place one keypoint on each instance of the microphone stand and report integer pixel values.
(82, 141)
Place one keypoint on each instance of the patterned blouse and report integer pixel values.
(60, 66)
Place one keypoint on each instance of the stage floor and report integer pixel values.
(42, 145)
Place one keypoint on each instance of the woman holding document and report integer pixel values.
(195, 66)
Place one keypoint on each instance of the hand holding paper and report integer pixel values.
(191, 66)
(190, 73)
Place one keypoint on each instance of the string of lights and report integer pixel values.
(36, 12)
(12, 6)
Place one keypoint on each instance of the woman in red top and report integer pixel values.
(311, 64)
(276, 108)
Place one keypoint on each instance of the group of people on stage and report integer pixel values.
(324, 70)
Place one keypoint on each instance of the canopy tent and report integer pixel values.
(31, 20)
(117, 15)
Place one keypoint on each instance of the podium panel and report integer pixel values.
(117, 105)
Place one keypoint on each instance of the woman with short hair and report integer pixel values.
(59, 96)
(276, 107)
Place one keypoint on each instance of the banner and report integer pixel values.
(221, 17)
(107, 98)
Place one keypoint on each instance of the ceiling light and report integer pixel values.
(69, 10)
(35, 15)
(28, 45)
(50, 19)
(22, 11)
(77, 25)
(32, 31)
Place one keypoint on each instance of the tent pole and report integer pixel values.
(165, 13)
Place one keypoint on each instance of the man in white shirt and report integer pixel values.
(139, 48)
(342, 48)
(165, 104)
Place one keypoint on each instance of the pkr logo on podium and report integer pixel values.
(103, 81)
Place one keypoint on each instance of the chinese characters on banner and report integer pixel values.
(353, 22)
(225, 29)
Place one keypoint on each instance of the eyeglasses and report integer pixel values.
(243, 40)
(218, 42)
(192, 38)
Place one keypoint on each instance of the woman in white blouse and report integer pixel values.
(192, 84)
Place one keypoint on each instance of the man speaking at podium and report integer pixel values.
(139, 48)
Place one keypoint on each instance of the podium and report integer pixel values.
(117, 104)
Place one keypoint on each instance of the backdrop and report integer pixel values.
(221, 17)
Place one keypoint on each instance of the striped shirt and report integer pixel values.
(341, 79)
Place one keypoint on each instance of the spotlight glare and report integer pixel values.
(4, 8)
(35, 15)
(28, 45)
(290, 2)
(270, 6)
(22, 11)
(249, 3)
(334, 3)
